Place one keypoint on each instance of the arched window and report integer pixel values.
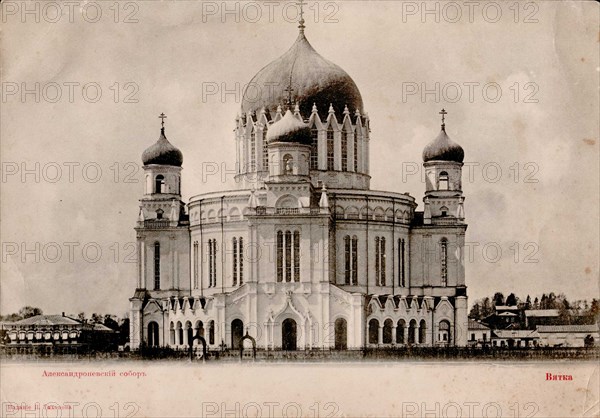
(443, 181)
(350, 260)
(159, 213)
(265, 151)
(356, 153)
(400, 330)
(238, 261)
(354, 260)
(172, 333)
(157, 266)
(199, 329)
(387, 331)
(373, 331)
(444, 261)
(279, 256)
(314, 149)
(330, 150)
(153, 334)
(401, 267)
(288, 256)
(241, 261)
(235, 260)
(422, 331)
(179, 334)
(159, 182)
(347, 260)
(253, 151)
(444, 332)
(288, 164)
(212, 262)
(237, 332)
(412, 330)
(296, 256)
(344, 150)
(444, 211)
(341, 334)
(380, 260)
(211, 332)
(195, 255)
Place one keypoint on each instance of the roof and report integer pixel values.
(507, 308)
(162, 152)
(442, 148)
(524, 333)
(48, 320)
(314, 80)
(507, 314)
(541, 312)
(102, 328)
(568, 328)
(477, 325)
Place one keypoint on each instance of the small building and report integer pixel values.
(515, 338)
(568, 335)
(535, 317)
(479, 334)
(46, 330)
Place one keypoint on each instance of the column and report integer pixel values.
(380, 335)
(394, 334)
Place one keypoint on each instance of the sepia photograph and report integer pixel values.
(348, 208)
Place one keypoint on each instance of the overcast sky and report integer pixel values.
(528, 106)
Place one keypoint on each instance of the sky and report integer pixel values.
(82, 91)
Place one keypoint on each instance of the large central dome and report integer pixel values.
(313, 80)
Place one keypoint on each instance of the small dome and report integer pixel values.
(289, 129)
(443, 148)
(162, 153)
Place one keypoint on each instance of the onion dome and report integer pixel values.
(443, 148)
(162, 153)
(289, 129)
(306, 75)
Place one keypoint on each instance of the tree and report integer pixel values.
(498, 299)
(97, 318)
(81, 316)
(486, 307)
(528, 302)
(110, 322)
(475, 312)
(536, 303)
(29, 311)
(511, 300)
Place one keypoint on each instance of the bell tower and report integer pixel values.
(163, 239)
(442, 162)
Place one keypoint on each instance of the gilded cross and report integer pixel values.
(162, 118)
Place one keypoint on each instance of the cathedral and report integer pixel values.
(302, 254)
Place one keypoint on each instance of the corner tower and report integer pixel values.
(163, 242)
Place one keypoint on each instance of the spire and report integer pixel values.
(301, 13)
(443, 113)
(314, 108)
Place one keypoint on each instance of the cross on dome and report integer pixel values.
(301, 25)
(443, 113)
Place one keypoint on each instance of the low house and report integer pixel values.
(515, 338)
(46, 330)
(479, 334)
(568, 335)
(535, 317)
